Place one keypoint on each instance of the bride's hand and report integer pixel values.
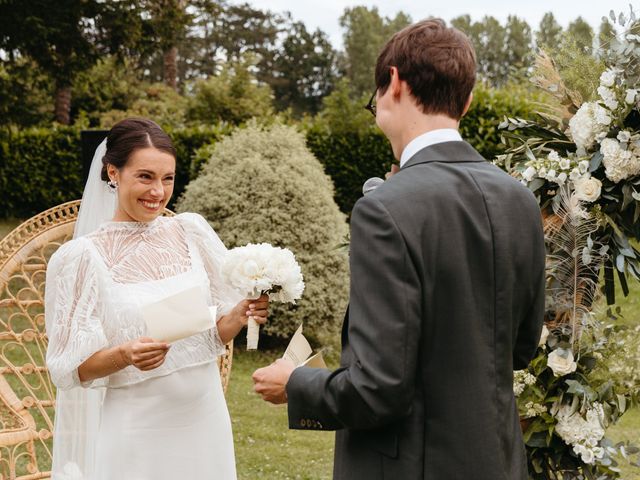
(144, 353)
(258, 309)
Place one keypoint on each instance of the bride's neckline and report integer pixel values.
(130, 225)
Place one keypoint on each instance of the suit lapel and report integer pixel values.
(456, 152)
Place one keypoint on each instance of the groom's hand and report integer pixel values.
(270, 382)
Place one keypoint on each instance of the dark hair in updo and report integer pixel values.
(132, 134)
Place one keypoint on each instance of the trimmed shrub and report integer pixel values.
(262, 184)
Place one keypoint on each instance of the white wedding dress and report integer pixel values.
(167, 423)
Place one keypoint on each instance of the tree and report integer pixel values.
(304, 70)
(606, 33)
(25, 94)
(232, 96)
(549, 33)
(64, 38)
(169, 21)
(582, 34)
(365, 33)
(518, 43)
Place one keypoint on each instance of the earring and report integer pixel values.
(113, 186)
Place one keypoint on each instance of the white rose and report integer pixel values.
(630, 97)
(561, 362)
(587, 189)
(543, 336)
(608, 78)
(529, 174)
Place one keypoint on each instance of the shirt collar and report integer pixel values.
(426, 140)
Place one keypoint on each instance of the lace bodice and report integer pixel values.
(97, 284)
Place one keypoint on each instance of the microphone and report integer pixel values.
(371, 184)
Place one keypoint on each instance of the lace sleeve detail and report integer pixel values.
(212, 252)
(72, 314)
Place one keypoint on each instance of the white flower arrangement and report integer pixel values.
(257, 269)
(582, 431)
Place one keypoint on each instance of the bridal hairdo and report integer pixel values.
(132, 134)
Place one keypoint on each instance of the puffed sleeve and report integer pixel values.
(72, 316)
(212, 251)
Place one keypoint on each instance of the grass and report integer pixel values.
(265, 447)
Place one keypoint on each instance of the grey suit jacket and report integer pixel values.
(447, 296)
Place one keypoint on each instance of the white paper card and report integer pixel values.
(179, 316)
(298, 349)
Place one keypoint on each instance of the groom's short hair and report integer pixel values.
(437, 62)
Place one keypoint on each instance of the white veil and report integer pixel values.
(77, 416)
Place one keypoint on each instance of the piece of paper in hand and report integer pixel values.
(316, 361)
(299, 351)
(179, 316)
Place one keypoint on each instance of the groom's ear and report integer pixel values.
(467, 105)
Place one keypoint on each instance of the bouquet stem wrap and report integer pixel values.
(253, 333)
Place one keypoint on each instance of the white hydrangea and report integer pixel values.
(576, 429)
(590, 120)
(521, 379)
(608, 96)
(534, 409)
(619, 163)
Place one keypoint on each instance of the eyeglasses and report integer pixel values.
(371, 106)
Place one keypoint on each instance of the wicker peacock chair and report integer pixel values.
(27, 396)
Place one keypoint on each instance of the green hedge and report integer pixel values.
(350, 159)
(41, 167)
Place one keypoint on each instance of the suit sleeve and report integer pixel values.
(384, 322)
(530, 326)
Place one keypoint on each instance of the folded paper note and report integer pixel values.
(299, 351)
(179, 316)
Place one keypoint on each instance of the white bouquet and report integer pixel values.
(256, 269)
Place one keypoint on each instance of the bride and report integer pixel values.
(128, 406)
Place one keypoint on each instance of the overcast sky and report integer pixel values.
(324, 14)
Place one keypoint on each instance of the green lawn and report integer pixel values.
(265, 447)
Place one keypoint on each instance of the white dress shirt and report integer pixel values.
(426, 140)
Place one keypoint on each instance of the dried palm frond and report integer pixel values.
(574, 261)
(547, 77)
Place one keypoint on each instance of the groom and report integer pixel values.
(447, 291)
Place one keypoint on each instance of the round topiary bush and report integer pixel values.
(262, 184)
